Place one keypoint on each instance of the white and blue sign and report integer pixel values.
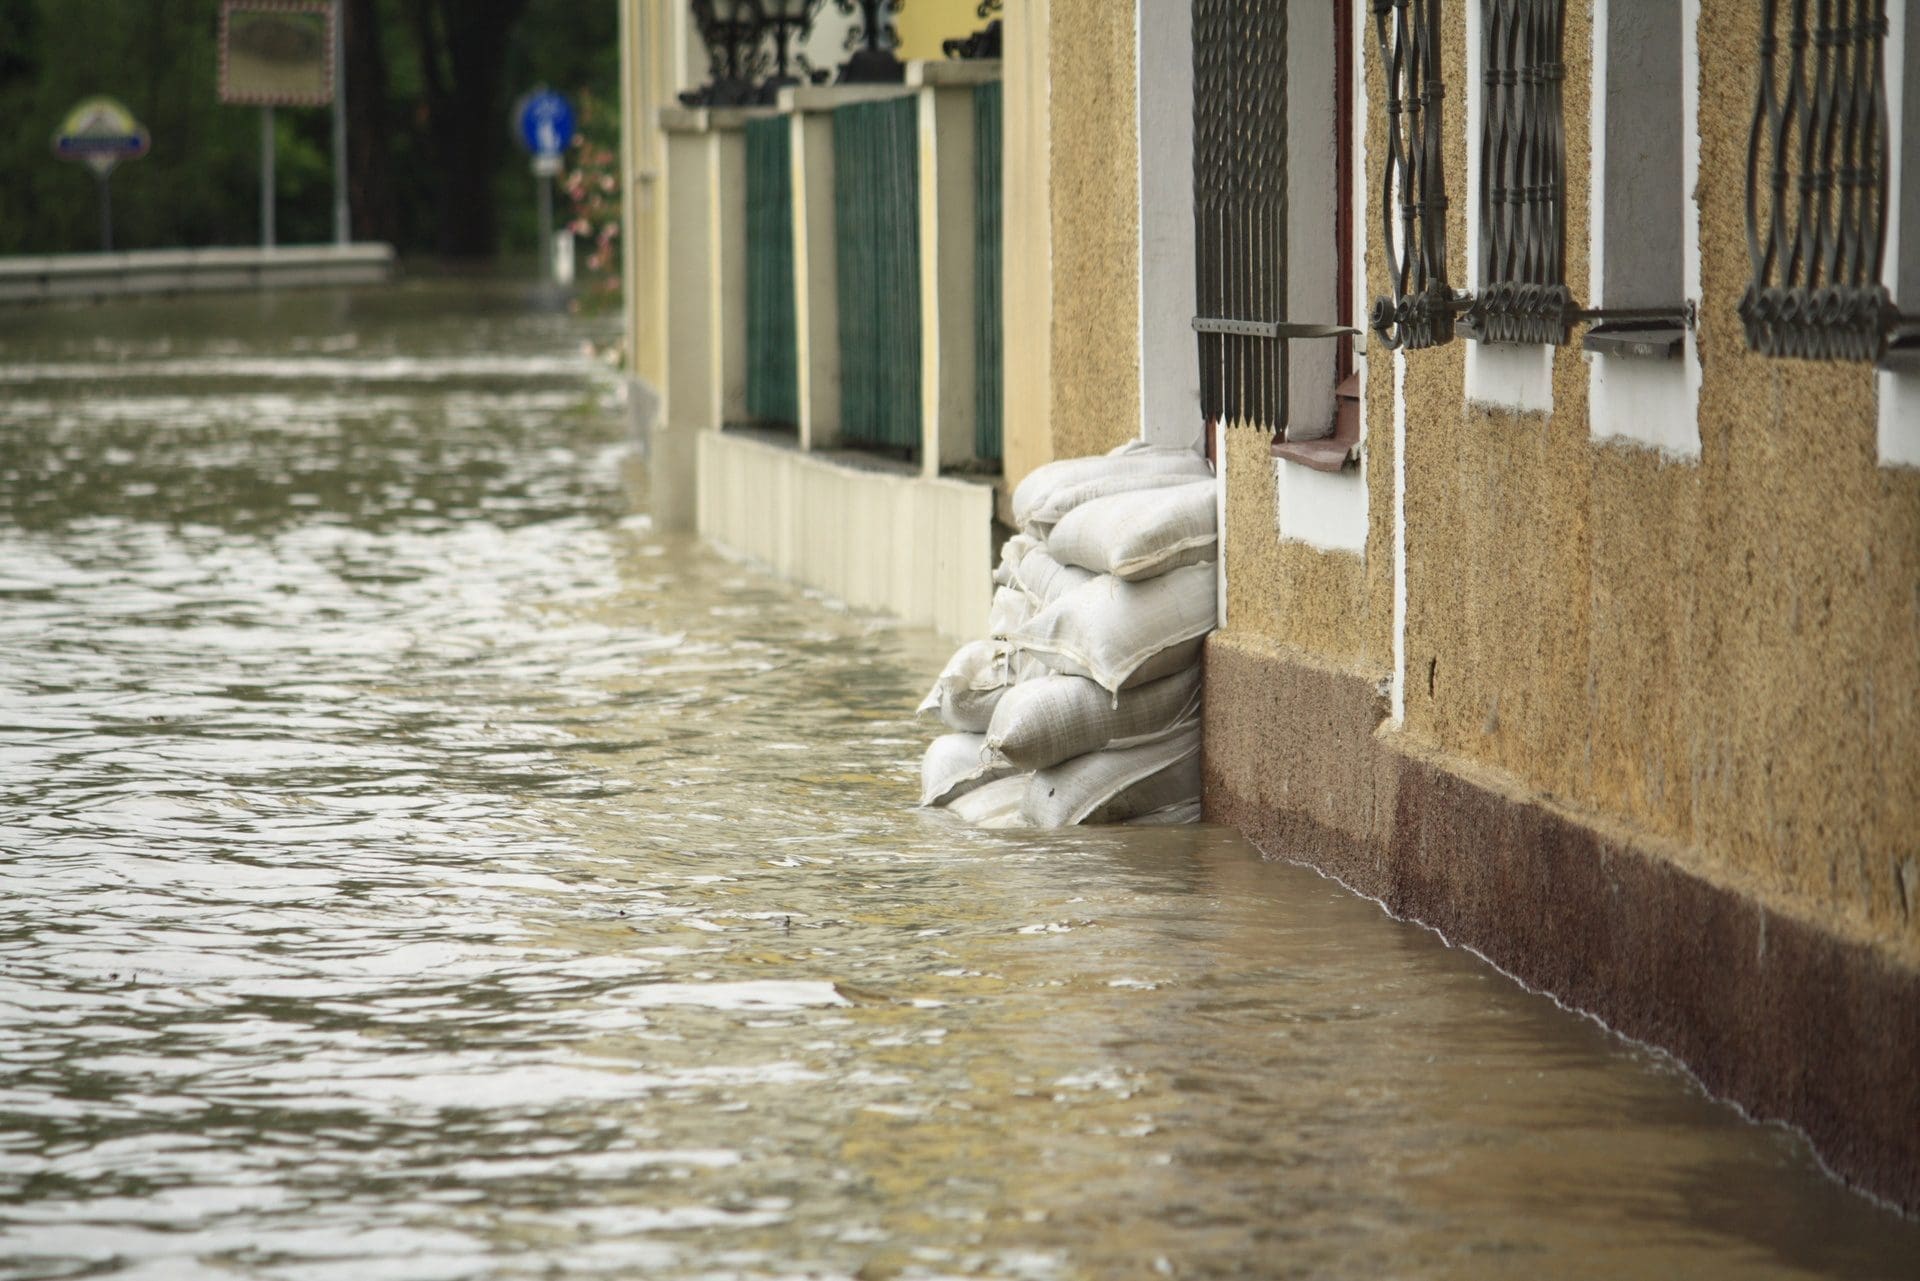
(546, 123)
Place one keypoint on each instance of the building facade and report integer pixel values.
(1558, 364)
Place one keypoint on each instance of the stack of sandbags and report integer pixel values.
(1083, 703)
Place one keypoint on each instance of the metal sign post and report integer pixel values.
(282, 53)
(100, 133)
(266, 177)
(544, 123)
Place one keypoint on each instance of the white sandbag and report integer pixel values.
(1046, 580)
(1113, 786)
(1066, 498)
(1174, 815)
(1010, 553)
(1041, 482)
(954, 765)
(1108, 629)
(995, 804)
(968, 687)
(1141, 534)
(1168, 662)
(1011, 608)
(1041, 723)
(1028, 667)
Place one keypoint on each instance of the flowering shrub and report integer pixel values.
(591, 184)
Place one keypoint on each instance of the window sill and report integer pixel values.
(1335, 453)
(1330, 455)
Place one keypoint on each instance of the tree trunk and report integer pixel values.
(463, 48)
(369, 139)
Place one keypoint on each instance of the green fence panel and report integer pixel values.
(773, 363)
(987, 400)
(876, 205)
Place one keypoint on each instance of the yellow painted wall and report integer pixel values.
(1027, 237)
(1095, 159)
(645, 67)
(923, 25)
(1722, 653)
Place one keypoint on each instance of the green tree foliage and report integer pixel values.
(199, 185)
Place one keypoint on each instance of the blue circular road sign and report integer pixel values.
(546, 123)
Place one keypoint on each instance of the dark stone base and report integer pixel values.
(1789, 1021)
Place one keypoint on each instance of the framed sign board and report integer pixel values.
(276, 53)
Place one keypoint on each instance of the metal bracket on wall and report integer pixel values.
(1267, 328)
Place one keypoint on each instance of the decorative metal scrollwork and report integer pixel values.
(1817, 185)
(984, 43)
(1523, 176)
(1421, 311)
(871, 42)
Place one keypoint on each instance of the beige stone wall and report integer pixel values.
(1095, 165)
(1722, 653)
(1027, 230)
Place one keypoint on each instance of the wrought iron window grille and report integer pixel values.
(1522, 192)
(1240, 213)
(1817, 189)
(1421, 310)
(1523, 176)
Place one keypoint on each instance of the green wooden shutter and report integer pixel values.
(986, 277)
(876, 202)
(773, 365)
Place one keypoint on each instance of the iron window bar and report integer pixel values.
(1816, 253)
(1240, 213)
(1522, 195)
(1421, 310)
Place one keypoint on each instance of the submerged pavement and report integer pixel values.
(413, 865)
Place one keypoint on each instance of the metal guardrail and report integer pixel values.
(56, 277)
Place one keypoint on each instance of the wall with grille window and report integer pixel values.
(1691, 642)
(1615, 625)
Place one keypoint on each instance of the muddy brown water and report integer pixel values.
(413, 865)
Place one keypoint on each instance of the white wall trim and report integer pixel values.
(1500, 375)
(1399, 691)
(1163, 132)
(1899, 400)
(1324, 510)
(1652, 403)
(1219, 431)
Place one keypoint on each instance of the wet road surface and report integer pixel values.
(412, 865)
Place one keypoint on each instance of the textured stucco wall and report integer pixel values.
(1721, 653)
(1026, 309)
(1094, 163)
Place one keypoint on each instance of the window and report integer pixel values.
(1265, 160)
(1523, 175)
(1643, 364)
(1900, 366)
(1240, 209)
(1641, 123)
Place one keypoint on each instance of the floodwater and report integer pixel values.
(412, 865)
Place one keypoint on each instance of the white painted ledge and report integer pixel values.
(920, 548)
